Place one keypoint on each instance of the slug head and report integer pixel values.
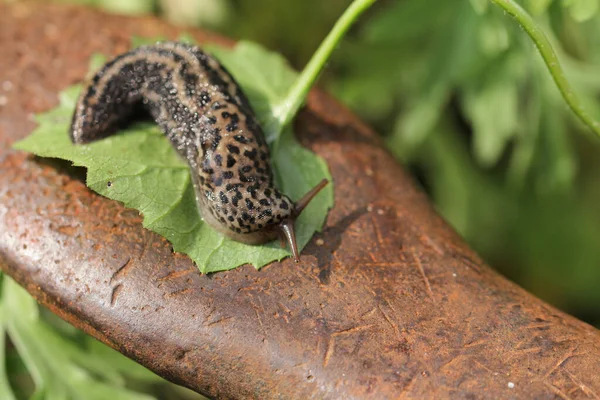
(287, 225)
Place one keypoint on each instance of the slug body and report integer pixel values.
(209, 121)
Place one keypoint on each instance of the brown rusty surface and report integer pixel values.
(387, 303)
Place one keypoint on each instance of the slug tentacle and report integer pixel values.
(301, 204)
(287, 226)
(209, 121)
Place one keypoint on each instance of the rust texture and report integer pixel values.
(387, 303)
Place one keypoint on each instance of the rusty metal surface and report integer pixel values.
(387, 303)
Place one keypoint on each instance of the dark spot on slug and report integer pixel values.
(233, 124)
(247, 179)
(252, 189)
(230, 161)
(233, 149)
(242, 139)
(251, 154)
(219, 160)
(232, 186)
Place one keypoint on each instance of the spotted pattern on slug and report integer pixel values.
(210, 123)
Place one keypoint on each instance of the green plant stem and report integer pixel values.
(549, 56)
(286, 110)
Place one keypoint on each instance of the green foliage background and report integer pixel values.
(462, 98)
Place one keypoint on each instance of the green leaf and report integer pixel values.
(493, 110)
(5, 390)
(119, 363)
(494, 37)
(407, 19)
(60, 369)
(480, 6)
(453, 58)
(582, 10)
(417, 122)
(537, 7)
(129, 7)
(266, 78)
(140, 168)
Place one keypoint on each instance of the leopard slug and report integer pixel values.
(202, 110)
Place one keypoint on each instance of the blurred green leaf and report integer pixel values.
(582, 10)
(5, 389)
(196, 12)
(494, 37)
(405, 20)
(118, 362)
(493, 112)
(418, 121)
(555, 154)
(461, 56)
(452, 60)
(480, 6)
(138, 41)
(527, 136)
(538, 6)
(129, 7)
(60, 369)
(492, 105)
(549, 55)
